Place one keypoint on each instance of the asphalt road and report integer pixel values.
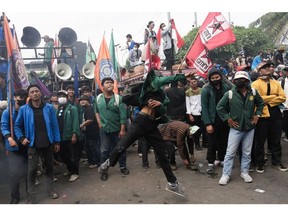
(148, 186)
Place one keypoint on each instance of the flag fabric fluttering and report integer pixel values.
(112, 54)
(18, 75)
(177, 39)
(216, 31)
(197, 57)
(104, 67)
(90, 54)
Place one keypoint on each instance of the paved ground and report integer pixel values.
(148, 186)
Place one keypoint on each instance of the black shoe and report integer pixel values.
(125, 171)
(210, 170)
(198, 148)
(260, 169)
(14, 201)
(191, 166)
(145, 166)
(104, 176)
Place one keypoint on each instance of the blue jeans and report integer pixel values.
(108, 143)
(92, 148)
(234, 139)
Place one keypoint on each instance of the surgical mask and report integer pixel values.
(215, 82)
(21, 102)
(240, 83)
(135, 48)
(62, 100)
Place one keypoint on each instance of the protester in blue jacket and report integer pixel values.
(36, 126)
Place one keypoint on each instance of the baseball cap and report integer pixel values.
(193, 129)
(45, 36)
(241, 74)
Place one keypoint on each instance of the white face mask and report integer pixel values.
(135, 48)
(62, 100)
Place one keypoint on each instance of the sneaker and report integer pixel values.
(246, 177)
(92, 166)
(175, 188)
(145, 166)
(37, 182)
(198, 148)
(140, 155)
(67, 173)
(260, 169)
(53, 195)
(104, 166)
(285, 139)
(210, 170)
(55, 179)
(224, 180)
(124, 171)
(174, 167)
(280, 167)
(73, 178)
(191, 166)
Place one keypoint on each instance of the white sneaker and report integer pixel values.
(103, 168)
(73, 178)
(246, 177)
(224, 180)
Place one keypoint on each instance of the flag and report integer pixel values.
(76, 82)
(104, 66)
(18, 71)
(148, 56)
(35, 80)
(216, 31)
(112, 54)
(90, 54)
(177, 39)
(197, 57)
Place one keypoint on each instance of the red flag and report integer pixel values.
(104, 67)
(177, 38)
(216, 31)
(148, 56)
(197, 57)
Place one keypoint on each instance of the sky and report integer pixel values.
(91, 20)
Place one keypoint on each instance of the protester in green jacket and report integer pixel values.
(68, 120)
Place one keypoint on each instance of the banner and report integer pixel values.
(104, 67)
(197, 57)
(19, 74)
(90, 54)
(216, 31)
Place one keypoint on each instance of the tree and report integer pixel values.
(274, 25)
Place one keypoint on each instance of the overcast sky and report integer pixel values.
(90, 19)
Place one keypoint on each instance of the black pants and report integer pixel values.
(217, 141)
(69, 154)
(169, 55)
(285, 122)
(197, 135)
(170, 152)
(17, 162)
(143, 126)
(34, 156)
(269, 130)
(49, 66)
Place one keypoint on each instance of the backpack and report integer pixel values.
(230, 94)
(131, 95)
(116, 98)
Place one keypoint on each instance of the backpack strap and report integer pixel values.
(98, 97)
(253, 91)
(117, 98)
(230, 94)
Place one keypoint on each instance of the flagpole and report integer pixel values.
(187, 53)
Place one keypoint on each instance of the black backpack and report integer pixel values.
(131, 95)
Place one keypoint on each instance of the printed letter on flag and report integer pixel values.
(197, 58)
(216, 31)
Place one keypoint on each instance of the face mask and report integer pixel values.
(240, 84)
(215, 82)
(135, 48)
(62, 100)
(21, 102)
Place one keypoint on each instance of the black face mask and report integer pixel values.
(215, 82)
(240, 84)
(21, 102)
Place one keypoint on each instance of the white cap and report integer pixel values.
(193, 129)
(241, 74)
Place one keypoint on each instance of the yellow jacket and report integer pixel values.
(276, 97)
